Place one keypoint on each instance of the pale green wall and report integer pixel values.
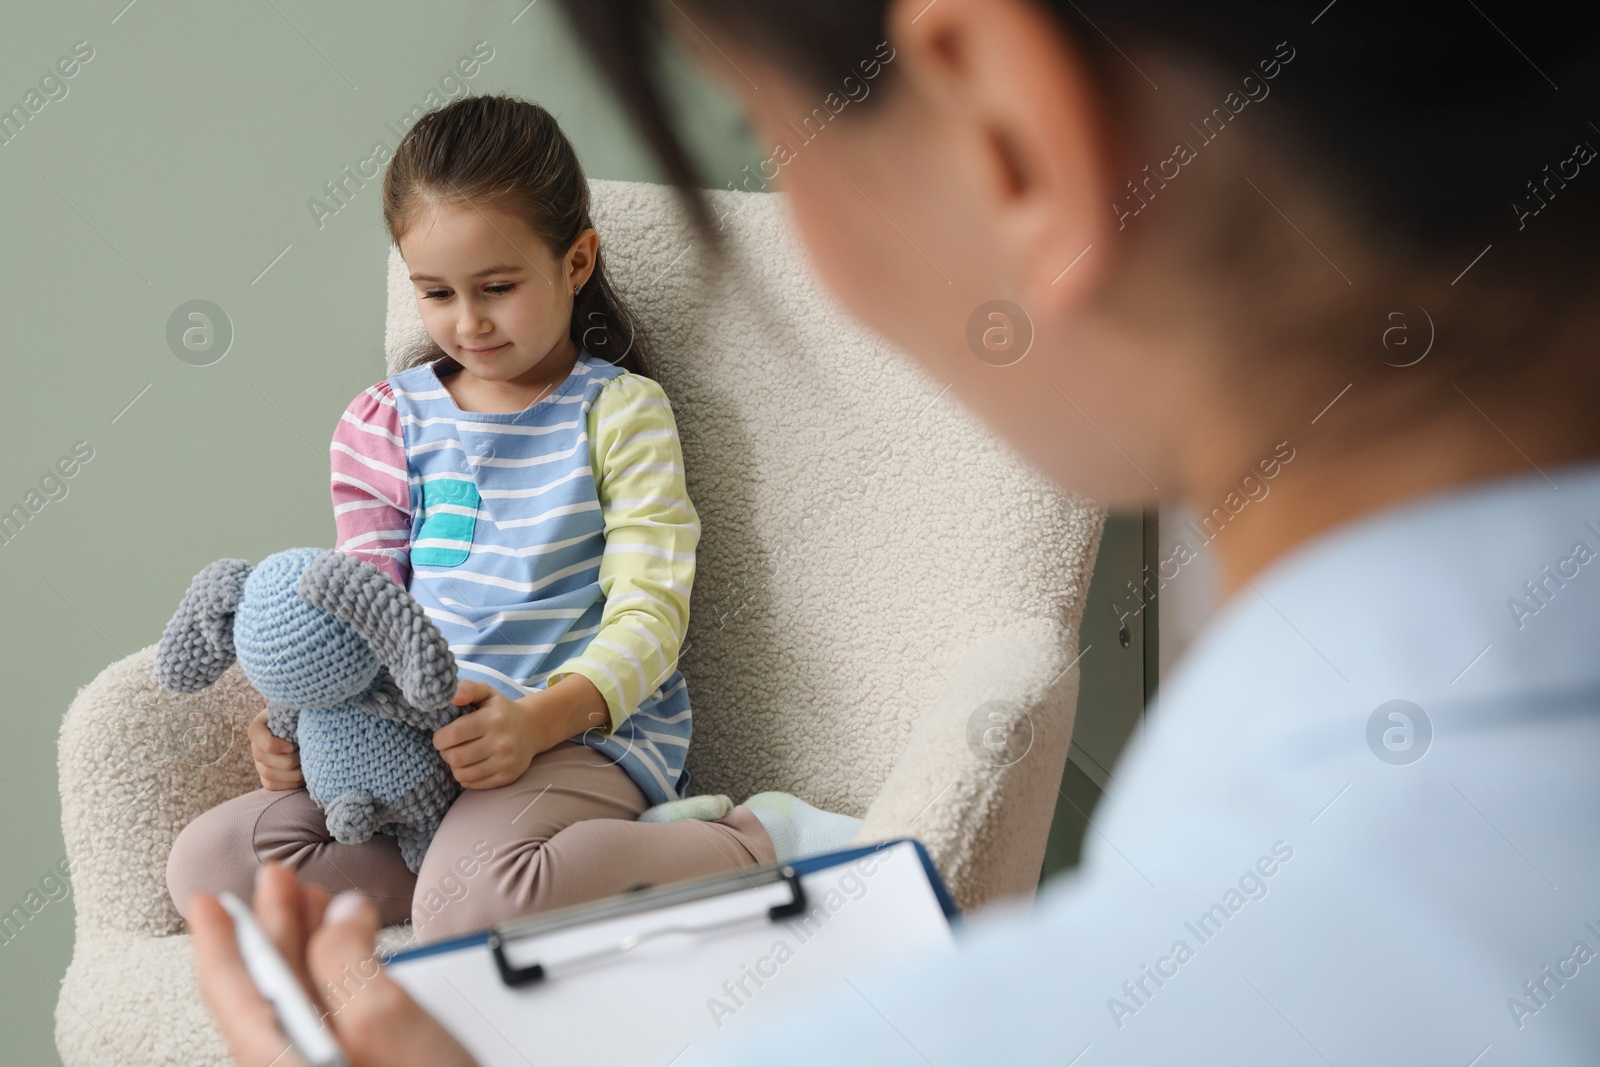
(177, 168)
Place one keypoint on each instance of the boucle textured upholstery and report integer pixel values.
(885, 616)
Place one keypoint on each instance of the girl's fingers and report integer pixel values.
(278, 761)
(281, 781)
(458, 732)
(487, 781)
(277, 768)
(263, 739)
(470, 693)
(469, 753)
(486, 773)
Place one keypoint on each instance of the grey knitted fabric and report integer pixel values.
(198, 643)
(386, 701)
(283, 720)
(354, 673)
(404, 639)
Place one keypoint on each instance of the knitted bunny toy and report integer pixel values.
(354, 674)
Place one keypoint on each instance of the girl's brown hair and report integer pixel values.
(503, 152)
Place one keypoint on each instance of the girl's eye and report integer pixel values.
(498, 289)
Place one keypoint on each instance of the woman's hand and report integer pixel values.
(277, 760)
(492, 745)
(375, 1020)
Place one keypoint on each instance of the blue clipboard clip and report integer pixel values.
(639, 901)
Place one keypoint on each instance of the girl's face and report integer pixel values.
(491, 295)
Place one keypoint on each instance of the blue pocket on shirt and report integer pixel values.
(450, 515)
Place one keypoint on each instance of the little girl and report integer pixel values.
(527, 487)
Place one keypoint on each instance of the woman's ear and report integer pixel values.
(403, 638)
(197, 645)
(1015, 93)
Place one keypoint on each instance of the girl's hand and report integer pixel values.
(374, 1019)
(277, 760)
(492, 745)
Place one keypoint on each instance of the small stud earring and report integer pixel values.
(575, 289)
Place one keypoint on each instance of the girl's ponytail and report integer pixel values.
(509, 153)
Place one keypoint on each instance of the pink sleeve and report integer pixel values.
(371, 489)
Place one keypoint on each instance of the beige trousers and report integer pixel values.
(563, 833)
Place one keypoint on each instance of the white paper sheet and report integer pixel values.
(674, 997)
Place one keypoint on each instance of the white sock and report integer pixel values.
(706, 808)
(798, 829)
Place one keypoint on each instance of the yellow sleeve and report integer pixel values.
(651, 531)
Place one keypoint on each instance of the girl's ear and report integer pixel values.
(197, 645)
(389, 619)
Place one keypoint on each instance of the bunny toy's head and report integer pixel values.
(311, 628)
(292, 651)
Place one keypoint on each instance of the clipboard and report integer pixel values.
(665, 974)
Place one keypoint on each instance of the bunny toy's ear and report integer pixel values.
(197, 645)
(390, 620)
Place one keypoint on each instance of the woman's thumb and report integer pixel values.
(351, 904)
(341, 954)
(371, 1013)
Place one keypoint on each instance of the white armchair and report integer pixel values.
(885, 613)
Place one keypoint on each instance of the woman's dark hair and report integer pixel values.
(499, 151)
(1440, 121)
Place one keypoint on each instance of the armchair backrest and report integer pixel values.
(860, 528)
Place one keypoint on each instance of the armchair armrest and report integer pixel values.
(137, 763)
(978, 777)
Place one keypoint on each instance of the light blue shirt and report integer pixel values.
(506, 545)
(1269, 880)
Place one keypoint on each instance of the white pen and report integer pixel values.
(273, 979)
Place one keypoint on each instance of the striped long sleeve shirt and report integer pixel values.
(650, 525)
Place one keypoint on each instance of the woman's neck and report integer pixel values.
(1336, 478)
